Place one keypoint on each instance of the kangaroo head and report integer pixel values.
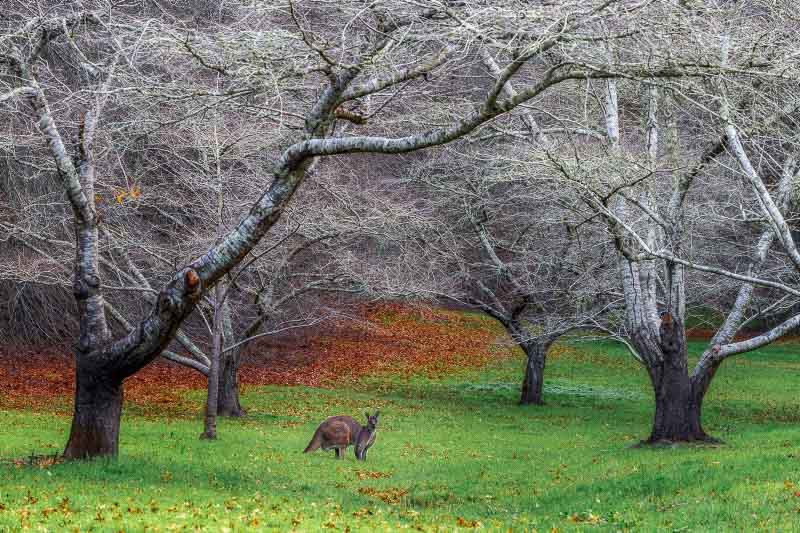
(372, 420)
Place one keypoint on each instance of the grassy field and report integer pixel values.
(452, 453)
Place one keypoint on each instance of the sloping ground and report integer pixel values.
(390, 338)
(453, 454)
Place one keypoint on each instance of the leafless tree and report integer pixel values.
(665, 198)
(502, 237)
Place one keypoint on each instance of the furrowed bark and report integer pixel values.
(535, 349)
(677, 414)
(97, 414)
(533, 381)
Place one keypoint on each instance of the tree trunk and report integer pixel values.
(677, 416)
(96, 418)
(212, 400)
(228, 401)
(678, 401)
(534, 373)
(210, 418)
(535, 349)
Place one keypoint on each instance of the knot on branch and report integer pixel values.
(179, 296)
(193, 284)
(80, 289)
(673, 343)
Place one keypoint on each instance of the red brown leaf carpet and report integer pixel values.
(388, 338)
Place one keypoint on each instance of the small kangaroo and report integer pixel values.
(339, 432)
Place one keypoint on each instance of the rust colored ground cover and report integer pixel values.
(387, 338)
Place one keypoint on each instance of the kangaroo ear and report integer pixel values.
(377, 413)
(366, 414)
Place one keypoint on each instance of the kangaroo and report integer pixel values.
(366, 437)
(339, 432)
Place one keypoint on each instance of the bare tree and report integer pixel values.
(662, 227)
(503, 238)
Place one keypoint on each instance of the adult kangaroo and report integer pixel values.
(339, 432)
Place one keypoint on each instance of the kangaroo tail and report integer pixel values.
(315, 442)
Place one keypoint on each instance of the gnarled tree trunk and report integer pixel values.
(534, 373)
(677, 415)
(96, 419)
(678, 400)
(535, 349)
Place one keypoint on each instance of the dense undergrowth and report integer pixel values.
(454, 451)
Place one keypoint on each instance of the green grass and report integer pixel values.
(450, 453)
